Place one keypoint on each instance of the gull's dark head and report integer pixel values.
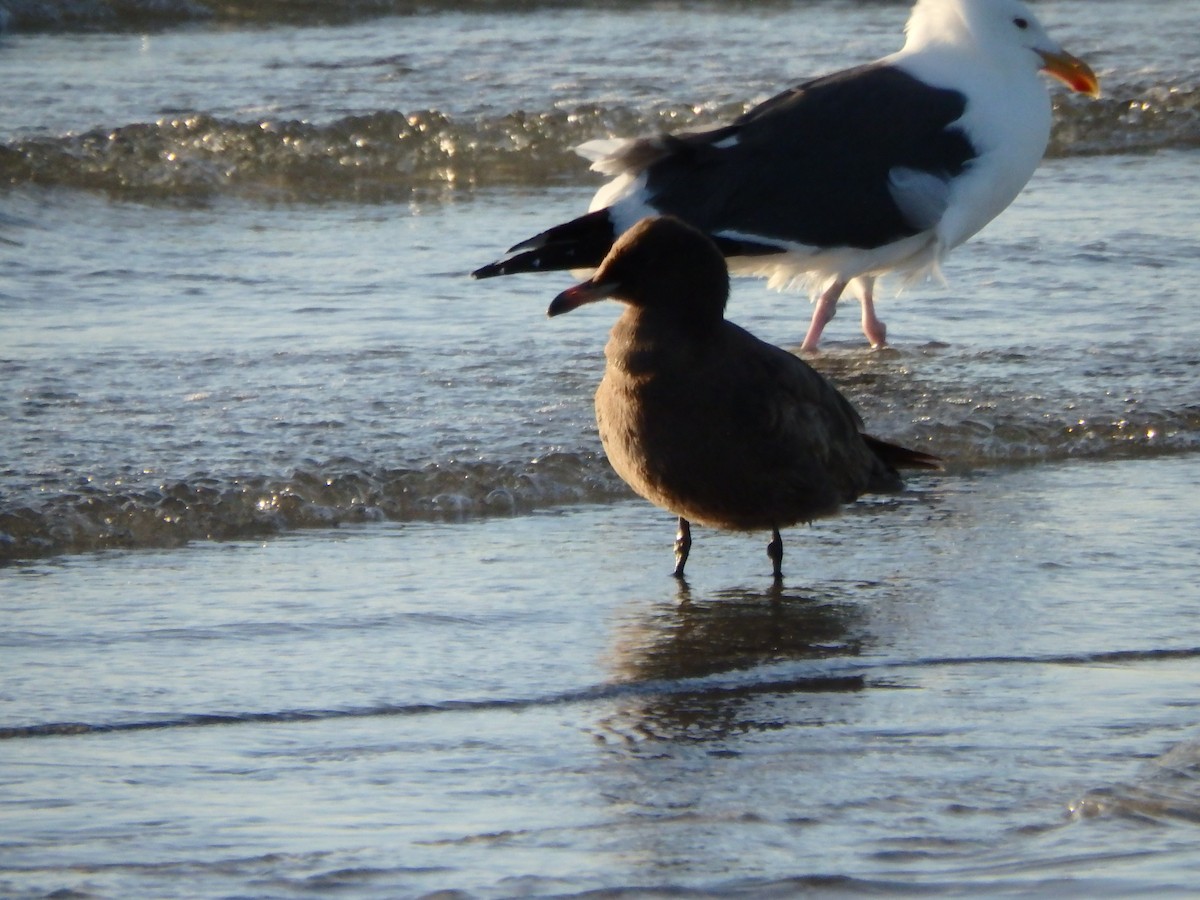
(661, 264)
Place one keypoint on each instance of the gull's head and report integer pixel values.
(660, 264)
(1005, 33)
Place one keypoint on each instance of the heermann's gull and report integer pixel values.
(880, 168)
(707, 421)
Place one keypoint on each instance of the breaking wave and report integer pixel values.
(105, 516)
(987, 423)
(388, 156)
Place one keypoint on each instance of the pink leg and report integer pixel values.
(872, 327)
(822, 313)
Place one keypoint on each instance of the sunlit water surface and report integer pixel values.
(317, 580)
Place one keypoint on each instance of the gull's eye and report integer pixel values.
(1021, 22)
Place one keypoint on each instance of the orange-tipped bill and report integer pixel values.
(1071, 71)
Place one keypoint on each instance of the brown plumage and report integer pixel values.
(707, 421)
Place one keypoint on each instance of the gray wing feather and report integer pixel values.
(922, 197)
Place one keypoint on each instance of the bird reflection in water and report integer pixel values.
(680, 653)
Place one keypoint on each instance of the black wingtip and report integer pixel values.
(902, 457)
(581, 243)
(491, 270)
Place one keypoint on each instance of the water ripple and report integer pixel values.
(813, 676)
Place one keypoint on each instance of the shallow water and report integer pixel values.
(315, 575)
(970, 687)
(196, 373)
